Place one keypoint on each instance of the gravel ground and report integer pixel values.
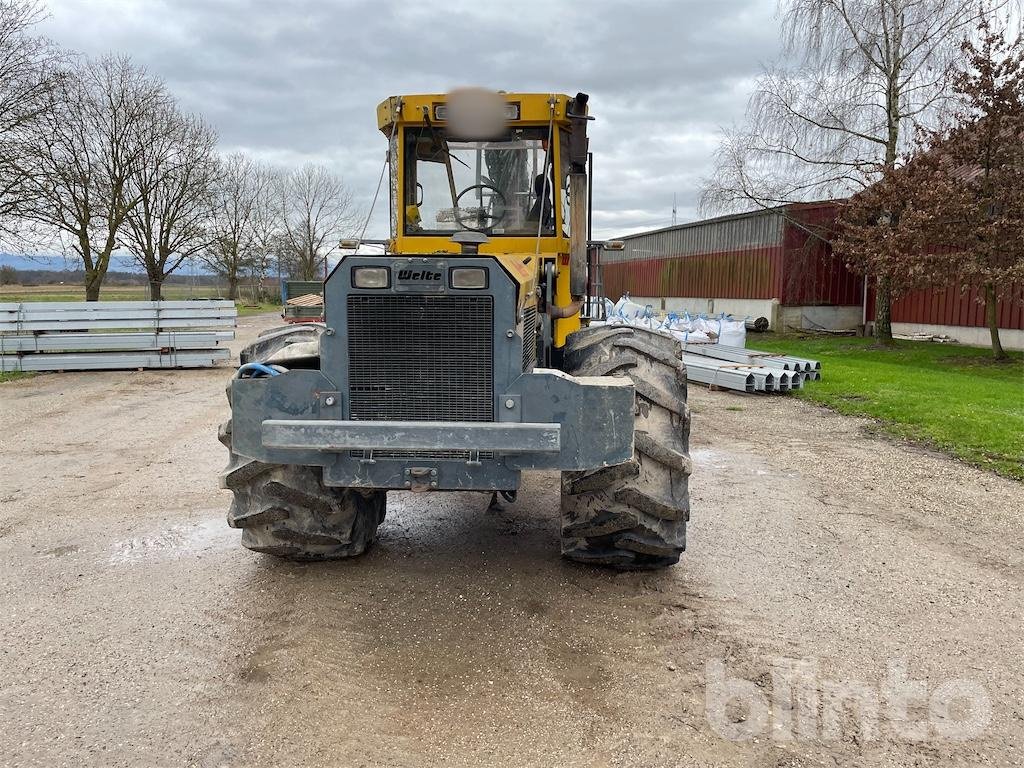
(137, 632)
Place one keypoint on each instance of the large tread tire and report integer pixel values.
(633, 515)
(286, 510)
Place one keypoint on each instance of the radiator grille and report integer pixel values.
(529, 338)
(421, 358)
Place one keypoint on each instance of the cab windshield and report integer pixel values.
(498, 186)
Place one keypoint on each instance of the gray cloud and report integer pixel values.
(298, 81)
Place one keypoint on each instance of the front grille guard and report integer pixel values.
(420, 357)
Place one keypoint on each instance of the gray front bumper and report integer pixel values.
(492, 437)
(548, 420)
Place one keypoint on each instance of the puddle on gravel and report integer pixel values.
(66, 549)
(706, 457)
(176, 542)
(738, 464)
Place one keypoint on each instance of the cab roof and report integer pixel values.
(525, 109)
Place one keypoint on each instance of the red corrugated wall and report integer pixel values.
(813, 275)
(826, 277)
(797, 269)
(951, 306)
(747, 274)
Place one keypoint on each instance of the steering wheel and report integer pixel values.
(486, 217)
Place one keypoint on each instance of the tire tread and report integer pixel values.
(633, 519)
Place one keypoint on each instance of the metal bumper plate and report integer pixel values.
(497, 437)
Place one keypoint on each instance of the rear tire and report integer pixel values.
(286, 510)
(633, 515)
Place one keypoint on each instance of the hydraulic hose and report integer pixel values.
(257, 369)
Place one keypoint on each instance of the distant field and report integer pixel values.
(124, 293)
(111, 293)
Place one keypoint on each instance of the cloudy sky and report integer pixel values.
(298, 80)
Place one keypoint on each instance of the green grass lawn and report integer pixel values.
(950, 397)
(244, 309)
(13, 375)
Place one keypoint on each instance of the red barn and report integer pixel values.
(778, 264)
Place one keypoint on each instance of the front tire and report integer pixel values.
(633, 515)
(285, 509)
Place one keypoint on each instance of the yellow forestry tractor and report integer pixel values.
(455, 356)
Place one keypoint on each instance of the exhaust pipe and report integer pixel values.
(578, 148)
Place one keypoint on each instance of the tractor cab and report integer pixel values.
(499, 165)
(507, 184)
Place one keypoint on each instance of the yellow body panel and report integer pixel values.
(534, 109)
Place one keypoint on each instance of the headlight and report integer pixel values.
(371, 277)
(469, 277)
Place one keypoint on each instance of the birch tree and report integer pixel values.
(268, 240)
(856, 78)
(954, 214)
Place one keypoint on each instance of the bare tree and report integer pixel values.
(863, 74)
(241, 215)
(30, 70)
(85, 155)
(173, 183)
(316, 210)
(268, 238)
